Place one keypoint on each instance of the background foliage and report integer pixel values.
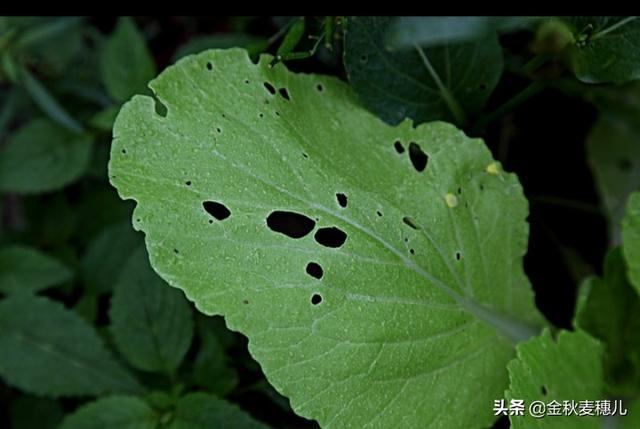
(87, 331)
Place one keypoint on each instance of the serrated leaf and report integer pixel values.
(152, 324)
(608, 309)
(203, 411)
(606, 48)
(114, 412)
(613, 151)
(568, 368)
(451, 82)
(126, 63)
(24, 269)
(106, 255)
(42, 157)
(427, 284)
(49, 350)
(631, 239)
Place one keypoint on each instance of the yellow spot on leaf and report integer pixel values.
(493, 169)
(452, 200)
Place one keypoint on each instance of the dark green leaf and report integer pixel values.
(114, 412)
(203, 411)
(212, 368)
(46, 101)
(608, 309)
(49, 350)
(43, 157)
(103, 262)
(126, 64)
(426, 31)
(24, 269)
(605, 48)
(450, 82)
(152, 324)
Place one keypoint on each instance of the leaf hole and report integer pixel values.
(319, 87)
(209, 66)
(270, 88)
(246, 81)
(482, 87)
(160, 107)
(175, 251)
(124, 151)
(305, 155)
(410, 222)
(342, 200)
(188, 183)
(413, 252)
(330, 237)
(419, 159)
(284, 93)
(363, 58)
(261, 115)
(316, 299)
(218, 130)
(398, 146)
(379, 213)
(459, 190)
(458, 256)
(314, 270)
(543, 390)
(291, 224)
(216, 209)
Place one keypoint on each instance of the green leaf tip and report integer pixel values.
(276, 200)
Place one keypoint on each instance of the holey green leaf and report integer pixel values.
(376, 270)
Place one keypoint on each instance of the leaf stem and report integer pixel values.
(612, 28)
(535, 63)
(448, 98)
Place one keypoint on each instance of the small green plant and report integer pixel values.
(368, 235)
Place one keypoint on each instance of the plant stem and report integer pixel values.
(448, 98)
(535, 63)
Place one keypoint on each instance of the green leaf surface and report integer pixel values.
(426, 287)
(126, 63)
(24, 269)
(152, 324)
(451, 82)
(114, 412)
(41, 157)
(613, 151)
(631, 239)
(608, 309)
(106, 255)
(406, 31)
(606, 48)
(49, 350)
(568, 368)
(203, 411)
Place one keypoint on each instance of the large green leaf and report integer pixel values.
(450, 82)
(568, 368)
(608, 309)
(152, 324)
(631, 239)
(126, 63)
(114, 412)
(411, 279)
(25, 269)
(42, 157)
(49, 350)
(202, 411)
(606, 48)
